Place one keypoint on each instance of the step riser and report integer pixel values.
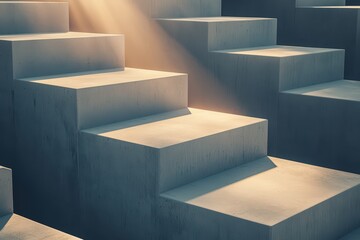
(132, 100)
(342, 214)
(58, 56)
(222, 35)
(185, 8)
(17, 18)
(6, 195)
(190, 161)
(300, 3)
(332, 131)
(7, 129)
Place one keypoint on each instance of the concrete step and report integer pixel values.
(15, 227)
(184, 8)
(124, 166)
(329, 135)
(33, 55)
(287, 201)
(49, 112)
(355, 235)
(116, 95)
(184, 145)
(6, 192)
(18, 17)
(300, 3)
(288, 67)
(217, 33)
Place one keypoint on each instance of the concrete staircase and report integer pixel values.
(108, 152)
(261, 77)
(13, 226)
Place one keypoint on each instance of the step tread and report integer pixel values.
(217, 19)
(101, 78)
(163, 130)
(269, 197)
(342, 89)
(17, 227)
(52, 36)
(278, 51)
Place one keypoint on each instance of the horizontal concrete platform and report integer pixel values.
(18, 17)
(34, 55)
(6, 192)
(277, 198)
(116, 95)
(15, 227)
(184, 145)
(342, 90)
(216, 33)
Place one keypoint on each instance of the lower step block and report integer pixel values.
(123, 167)
(287, 200)
(6, 192)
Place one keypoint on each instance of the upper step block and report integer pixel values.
(185, 8)
(288, 200)
(6, 193)
(18, 17)
(179, 147)
(300, 3)
(105, 97)
(35, 55)
(218, 33)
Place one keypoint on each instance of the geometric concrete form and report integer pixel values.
(183, 8)
(150, 155)
(302, 3)
(18, 17)
(49, 112)
(288, 201)
(319, 124)
(35, 55)
(218, 33)
(19, 228)
(256, 75)
(6, 192)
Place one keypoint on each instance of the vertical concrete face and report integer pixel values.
(184, 8)
(320, 129)
(301, 3)
(6, 192)
(46, 157)
(33, 17)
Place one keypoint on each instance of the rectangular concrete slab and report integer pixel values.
(16, 227)
(191, 145)
(217, 33)
(6, 192)
(17, 17)
(120, 95)
(34, 55)
(291, 198)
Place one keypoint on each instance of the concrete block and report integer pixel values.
(7, 138)
(49, 112)
(49, 54)
(255, 76)
(6, 192)
(184, 8)
(300, 3)
(288, 200)
(18, 17)
(217, 33)
(320, 125)
(150, 155)
(17, 227)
